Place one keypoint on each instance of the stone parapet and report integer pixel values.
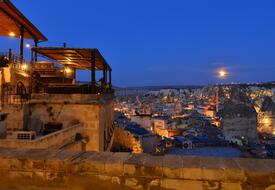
(45, 169)
(54, 140)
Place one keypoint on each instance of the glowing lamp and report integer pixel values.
(28, 45)
(68, 70)
(24, 67)
(12, 34)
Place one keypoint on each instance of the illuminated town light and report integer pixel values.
(12, 34)
(266, 121)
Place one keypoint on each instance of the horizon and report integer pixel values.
(195, 85)
(159, 44)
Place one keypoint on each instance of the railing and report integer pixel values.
(72, 89)
(15, 62)
(14, 95)
(13, 58)
(78, 89)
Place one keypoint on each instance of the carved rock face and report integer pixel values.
(240, 120)
(268, 105)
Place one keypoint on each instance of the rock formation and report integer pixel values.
(239, 120)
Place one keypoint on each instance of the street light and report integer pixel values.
(12, 34)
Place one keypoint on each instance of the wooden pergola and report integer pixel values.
(14, 24)
(78, 58)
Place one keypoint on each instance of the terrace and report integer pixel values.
(62, 80)
(21, 78)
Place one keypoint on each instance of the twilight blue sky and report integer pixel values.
(160, 42)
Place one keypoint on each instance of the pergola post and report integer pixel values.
(35, 45)
(21, 44)
(93, 57)
(32, 57)
(74, 74)
(104, 73)
(10, 56)
(110, 77)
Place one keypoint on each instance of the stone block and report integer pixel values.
(258, 172)
(212, 169)
(93, 162)
(172, 166)
(231, 186)
(211, 185)
(133, 183)
(143, 165)
(271, 187)
(153, 166)
(56, 178)
(191, 168)
(177, 184)
(134, 165)
(114, 164)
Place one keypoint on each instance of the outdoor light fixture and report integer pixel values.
(24, 67)
(28, 45)
(68, 70)
(12, 34)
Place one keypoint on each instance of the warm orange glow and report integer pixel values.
(24, 67)
(68, 70)
(266, 120)
(28, 45)
(12, 34)
(222, 73)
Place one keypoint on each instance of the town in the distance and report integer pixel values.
(226, 120)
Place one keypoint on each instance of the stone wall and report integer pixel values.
(3, 125)
(16, 117)
(53, 141)
(36, 169)
(95, 112)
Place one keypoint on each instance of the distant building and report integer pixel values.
(44, 106)
(163, 126)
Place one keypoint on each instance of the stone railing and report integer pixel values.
(53, 140)
(45, 169)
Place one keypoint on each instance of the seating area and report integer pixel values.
(47, 78)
